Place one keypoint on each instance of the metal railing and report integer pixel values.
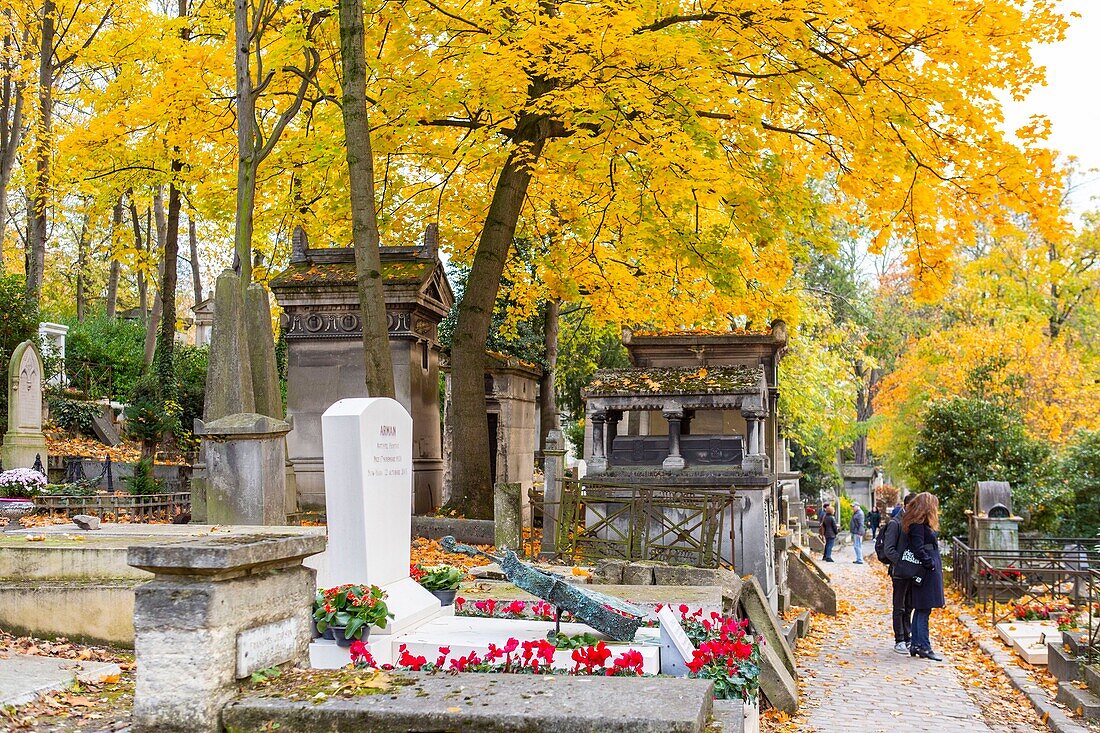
(1059, 571)
(623, 521)
(135, 508)
(1005, 570)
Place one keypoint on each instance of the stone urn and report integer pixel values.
(446, 597)
(14, 509)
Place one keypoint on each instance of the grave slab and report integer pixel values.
(1030, 630)
(705, 597)
(496, 703)
(24, 677)
(468, 634)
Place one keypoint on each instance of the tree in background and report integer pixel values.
(1076, 480)
(18, 324)
(966, 440)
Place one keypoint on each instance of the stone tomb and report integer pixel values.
(696, 415)
(993, 525)
(24, 441)
(367, 446)
(1028, 639)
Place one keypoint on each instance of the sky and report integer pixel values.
(1071, 98)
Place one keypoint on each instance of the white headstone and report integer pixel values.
(367, 446)
(676, 648)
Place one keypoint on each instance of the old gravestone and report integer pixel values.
(24, 441)
(368, 495)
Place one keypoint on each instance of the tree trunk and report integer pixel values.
(472, 492)
(368, 261)
(548, 395)
(153, 323)
(193, 241)
(81, 263)
(11, 132)
(246, 143)
(112, 278)
(167, 339)
(36, 236)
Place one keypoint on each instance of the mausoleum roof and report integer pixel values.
(405, 270)
(675, 381)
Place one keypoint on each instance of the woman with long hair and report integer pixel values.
(920, 523)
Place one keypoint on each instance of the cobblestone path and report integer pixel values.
(852, 681)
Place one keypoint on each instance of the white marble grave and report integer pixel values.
(368, 496)
(368, 493)
(1028, 638)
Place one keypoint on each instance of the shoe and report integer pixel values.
(829, 559)
(929, 654)
(857, 562)
(901, 647)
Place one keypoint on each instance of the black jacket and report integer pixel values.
(922, 540)
(828, 527)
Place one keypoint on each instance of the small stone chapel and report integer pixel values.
(323, 331)
(698, 411)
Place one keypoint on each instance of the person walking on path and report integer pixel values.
(920, 522)
(829, 531)
(874, 521)
(893, 544)
(857, 528)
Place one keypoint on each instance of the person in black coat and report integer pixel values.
(893, 543)
(920, 522)
(829, 531)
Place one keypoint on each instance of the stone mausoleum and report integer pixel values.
(512, 419)
(323, 331)
(697, 411)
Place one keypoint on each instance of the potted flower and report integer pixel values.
(442, 581)
(18, 487)
(347, 612)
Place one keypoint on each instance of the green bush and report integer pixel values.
(104, 342)
(1075, 477)
(845, 519)
(965, 440)
(148, 417)
(18, 324)
(190, 366)
(143, 483)
(74, 415)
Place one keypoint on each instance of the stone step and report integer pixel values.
(1092, 677)
(492, 703)
(1082, 702)
(24, 677)
(1065, 666)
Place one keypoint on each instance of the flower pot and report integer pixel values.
(327, 633)
(338, 634)
(446, 597)
(14, 509)
(316, 632)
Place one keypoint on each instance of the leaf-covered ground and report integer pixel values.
(853, 682)
(97, 707)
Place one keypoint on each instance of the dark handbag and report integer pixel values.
(908, 568)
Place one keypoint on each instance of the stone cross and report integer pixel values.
(24, 440)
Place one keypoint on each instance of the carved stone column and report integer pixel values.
(613, 418)
(674, 461)
(755, 459)
(599, 456)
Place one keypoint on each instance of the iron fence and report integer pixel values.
(1059, 570)
(674, 524)
(135, 508)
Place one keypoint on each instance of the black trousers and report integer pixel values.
(903, 608)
